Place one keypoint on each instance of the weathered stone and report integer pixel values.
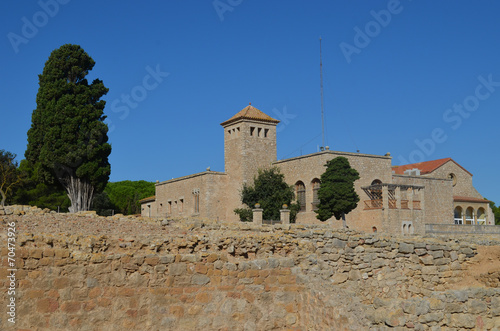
(177, 269)
(431, 317)
(395, 318)
(463, 321)
(339, 278)
(200, 279)
(476, 306)
(405, 248)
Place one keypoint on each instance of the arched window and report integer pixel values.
(481, 216)
(300, 190)
(376, 189)
(315, 187)
(469, 215)
(459, 218)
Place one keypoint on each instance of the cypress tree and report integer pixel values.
(336, 194)
(68, 141)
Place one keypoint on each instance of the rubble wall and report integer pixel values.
(91, 273)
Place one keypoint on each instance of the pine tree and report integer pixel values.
(336, 194)
(68, 138)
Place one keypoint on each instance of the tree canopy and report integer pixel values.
(9, 176)
(270, 190)
(124, 196)
(336, 194)
(68, 138)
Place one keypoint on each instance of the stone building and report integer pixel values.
(394, 199)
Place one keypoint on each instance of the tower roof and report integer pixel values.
(250, 113)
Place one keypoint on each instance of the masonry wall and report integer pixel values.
(437, 198)
(463, 186)
(225, 276)
(176, 198)
(309, 167)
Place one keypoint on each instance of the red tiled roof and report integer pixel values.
(251, 113)
(469, 199)
(425, 167)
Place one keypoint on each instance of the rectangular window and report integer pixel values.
(259, 130)
(266, 131)
(169, 207)
(252, 129)
(181, 205)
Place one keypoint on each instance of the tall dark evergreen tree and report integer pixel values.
(68, 138)
(336, 194)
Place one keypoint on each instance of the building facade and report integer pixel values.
(393, 199)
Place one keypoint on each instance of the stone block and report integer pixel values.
(405, 248)
(177, 269)
(463, 321)
(200, 279)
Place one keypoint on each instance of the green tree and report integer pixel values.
(68, 138)
(9, 176)
(496, 212)
(124, 196)
(44, 195)
(270, 190)
(336, 194)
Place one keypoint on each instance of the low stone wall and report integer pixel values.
(92, 273)
(462, 229)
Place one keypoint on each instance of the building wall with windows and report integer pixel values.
(198, 195)
(304, 173)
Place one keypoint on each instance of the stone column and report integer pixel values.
(410, 198)
(398, 197)
(385, 197)
(257, 215)
(285, 215)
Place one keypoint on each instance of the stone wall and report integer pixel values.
(309, 167)
(176, 197)
(93, 273)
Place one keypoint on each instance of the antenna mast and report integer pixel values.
(322, 108)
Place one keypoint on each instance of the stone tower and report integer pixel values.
(249, 145)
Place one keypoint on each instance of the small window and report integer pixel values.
(181, 205)
(266, 131)
(259, 130)
(252, 129)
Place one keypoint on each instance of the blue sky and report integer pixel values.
(418, 79)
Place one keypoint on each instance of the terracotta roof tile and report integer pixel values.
(468, 199)
(251, 113)
(425, 167)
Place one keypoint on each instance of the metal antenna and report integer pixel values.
(322, 108)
